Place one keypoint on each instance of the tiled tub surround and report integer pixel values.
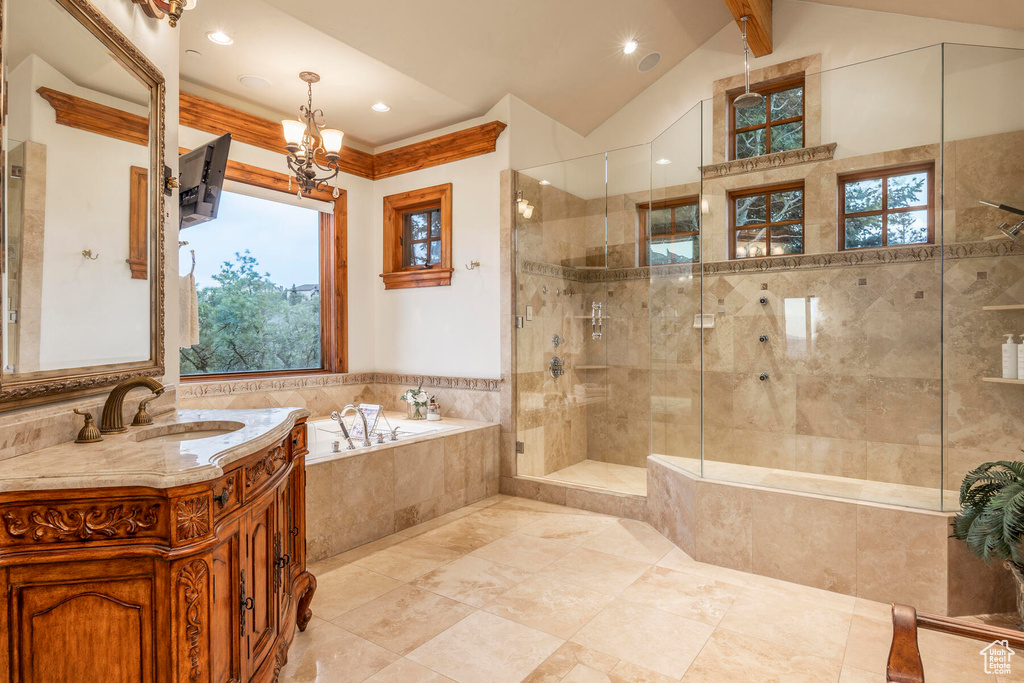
(462, 397)
(354, 497)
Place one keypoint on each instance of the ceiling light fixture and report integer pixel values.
(630, 46)
(663, 162)
(545, 182)
(306, 137)
(381, 107)
(219, 37)
(524, 207)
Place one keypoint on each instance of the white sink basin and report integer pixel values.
(186, 431)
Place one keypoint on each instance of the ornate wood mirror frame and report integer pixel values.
(19, 391)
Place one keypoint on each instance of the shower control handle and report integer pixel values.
(763, 300)
(763, 376)
(763, 338)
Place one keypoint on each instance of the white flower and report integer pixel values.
(422, 397)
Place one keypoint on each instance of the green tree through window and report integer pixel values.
(886, 208)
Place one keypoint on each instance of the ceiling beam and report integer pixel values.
(759, 23)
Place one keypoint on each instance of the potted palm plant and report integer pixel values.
(991, 517)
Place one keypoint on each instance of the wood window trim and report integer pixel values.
(765, 190)
(927, 167)
(767, 88)
(643, 210)
(395, 275)
(138, 223)
(333, 277)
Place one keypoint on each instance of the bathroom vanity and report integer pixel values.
(174, 552)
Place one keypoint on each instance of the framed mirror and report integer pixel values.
(81, 201)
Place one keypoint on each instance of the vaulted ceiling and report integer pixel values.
(442, 62)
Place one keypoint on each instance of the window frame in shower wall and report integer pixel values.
(768, 89)
(397, 274)
(767, 191)
(883, 174)
(643, 215)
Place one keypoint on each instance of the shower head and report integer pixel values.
(747, 99)
(1004, 207)
(1014, 232)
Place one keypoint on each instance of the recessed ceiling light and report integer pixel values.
(381, 107)
(648, 62)
(256, 82)
(630, 46)
(193, 53)
(219, 37)
(545, 182)
(663, 162)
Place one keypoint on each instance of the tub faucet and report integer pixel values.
(340, 417)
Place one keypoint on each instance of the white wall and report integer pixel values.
(843, 36)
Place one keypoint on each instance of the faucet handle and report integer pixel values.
(89, 433)
(142, 417)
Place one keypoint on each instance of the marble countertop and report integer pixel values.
(125, 460)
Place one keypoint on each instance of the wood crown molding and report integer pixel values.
(759, 23)
(211, 117)
(87, 115)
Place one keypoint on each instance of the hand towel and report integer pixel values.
(188, 311)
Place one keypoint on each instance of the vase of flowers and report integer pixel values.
(417, 400)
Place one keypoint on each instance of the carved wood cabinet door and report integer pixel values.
(226, 636)
(261, 595)
(83, 622)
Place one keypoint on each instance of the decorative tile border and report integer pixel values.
(190, 390)
(767, 162)
(552, 270)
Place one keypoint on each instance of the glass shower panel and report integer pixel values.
(559, 238)
(983, 275)
(822, 372)
(670, 239)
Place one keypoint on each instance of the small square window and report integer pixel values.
(670, 231)
(774, 125)
(421, 238)
(767, 221)
(886, 208)
(418, 238)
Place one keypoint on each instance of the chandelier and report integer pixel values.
(309, 143)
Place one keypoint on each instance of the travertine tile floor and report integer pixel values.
(511, 590)
(604, 475)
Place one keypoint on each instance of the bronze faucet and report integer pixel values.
(112, 421)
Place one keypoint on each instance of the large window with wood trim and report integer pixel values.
(889, 207)
(767, 221)
(774, 125)
(418, 238)
(269, 282)
(669, 231)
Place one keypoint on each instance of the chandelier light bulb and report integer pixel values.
(293, 131)
(331, 138)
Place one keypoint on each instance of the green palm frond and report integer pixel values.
(991, 517)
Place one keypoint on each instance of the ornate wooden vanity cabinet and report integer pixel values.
(205, 582)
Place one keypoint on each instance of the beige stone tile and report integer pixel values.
(631, 539)
(584, 674)
(530, 553)
(730, 656)
(549, 605)
(463, 535)
(724, 526)
(627, 672)
(403, 619)
(419, 472)
(810, 627)
(677, 560)
(471, 580)
(851, 674)
(649, 638)
(688, 595)
(331, 654)
(577, 528)
(506, 518)
(408, 560)
(596, 571)
(346, 588)
(484, 648)
(794, 591)
(406, 671)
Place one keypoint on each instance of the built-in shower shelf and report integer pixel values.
(591, 367)
(1008, 307)
(1000, 380)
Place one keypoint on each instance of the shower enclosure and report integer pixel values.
(823, 314)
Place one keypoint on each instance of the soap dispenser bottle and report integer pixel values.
(1020, 358)
(1010, 358)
